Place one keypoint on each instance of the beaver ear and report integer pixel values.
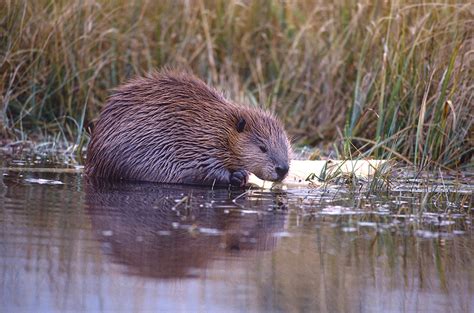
(241, 124)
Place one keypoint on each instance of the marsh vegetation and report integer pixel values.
(370, 79)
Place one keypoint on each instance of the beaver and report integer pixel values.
(170, 127)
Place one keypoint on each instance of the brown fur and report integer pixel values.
(171, 127)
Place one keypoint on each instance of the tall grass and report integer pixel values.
(391, 78)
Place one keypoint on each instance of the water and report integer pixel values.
(68, 244)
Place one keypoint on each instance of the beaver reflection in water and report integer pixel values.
(143, 227)
(171, 127)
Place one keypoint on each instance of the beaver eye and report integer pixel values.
(263, 149)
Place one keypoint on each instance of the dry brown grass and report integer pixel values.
(376, 78)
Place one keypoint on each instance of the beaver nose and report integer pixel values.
(282, 170)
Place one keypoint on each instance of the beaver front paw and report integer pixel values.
(239, 178)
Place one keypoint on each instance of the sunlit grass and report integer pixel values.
(380, 79)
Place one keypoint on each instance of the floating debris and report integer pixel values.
(42, 181)
(107, 233)
(349, 229)
(367, 224)
(282, 234)
(209, 231)
(164, 232)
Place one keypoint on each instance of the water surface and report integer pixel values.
(68, 244)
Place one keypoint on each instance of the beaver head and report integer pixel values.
(261, 145)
